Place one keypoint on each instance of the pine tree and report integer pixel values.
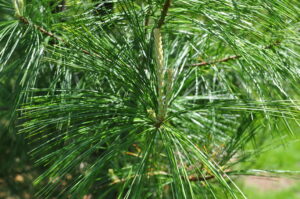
(154, 98)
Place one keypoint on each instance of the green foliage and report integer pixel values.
(153, 99)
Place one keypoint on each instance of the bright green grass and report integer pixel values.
(290, 193)
(285, 157)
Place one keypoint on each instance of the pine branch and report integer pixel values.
(190, 178)
(41, 29)
(234, 57)
(150, 102)
(164, 12)
(204, 63)
(48, 33)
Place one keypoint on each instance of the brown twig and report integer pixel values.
(50, 34)
(204, 63)
(190, 178)
(276, 43)
(132, 154)
(4, 108)
(164, 12)
(147, 19)
(41, 29)
(197, 178)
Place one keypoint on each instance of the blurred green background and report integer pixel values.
(284, 157)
